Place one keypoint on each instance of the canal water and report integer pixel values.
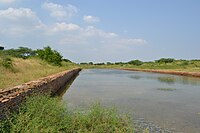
(168, 101)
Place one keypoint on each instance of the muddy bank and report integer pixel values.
(192, 74)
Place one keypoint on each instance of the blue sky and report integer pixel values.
(104, 30)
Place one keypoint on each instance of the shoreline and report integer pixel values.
(181, 73)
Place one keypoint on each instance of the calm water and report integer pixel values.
(141, 95)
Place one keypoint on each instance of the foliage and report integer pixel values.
(119, 63)
(135, 62)
(66, 60)
(165, 60)
(21, 52)
(27, 70)
(49, 55)
(45, 114)
(1, 48)
(109, 63)
(5, 61)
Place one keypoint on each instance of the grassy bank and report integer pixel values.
(24, 70)
(175, 65)
(45, 114)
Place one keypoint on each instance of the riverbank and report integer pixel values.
(182, 73)
(25, 70)
(46, 114)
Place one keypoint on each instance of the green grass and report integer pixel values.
(166, 89)
(177, 65)
(45, 114)
(25, 70)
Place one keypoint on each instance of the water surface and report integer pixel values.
(143, 95)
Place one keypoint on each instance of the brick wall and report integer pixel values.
(11, 98)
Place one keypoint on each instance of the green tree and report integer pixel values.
(165, 60)
(21, 52)
(49, 55)
(135, 62)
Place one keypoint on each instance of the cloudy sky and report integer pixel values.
(104, 30)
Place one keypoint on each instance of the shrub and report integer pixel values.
(165, 60)
(7, 62)
(135, 62)
(45, 114)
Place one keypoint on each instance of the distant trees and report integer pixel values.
(21, 52)
(165, 60)
(47, 54)
(135, 62)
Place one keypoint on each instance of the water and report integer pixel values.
(143, 95)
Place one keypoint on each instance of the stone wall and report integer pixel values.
(11, 98)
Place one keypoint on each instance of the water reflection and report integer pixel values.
(168, 80)
(179, 80)
(176, 106)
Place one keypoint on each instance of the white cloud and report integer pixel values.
(22, 25)
(60, 12)
(61, 27)
(7, 1)
(90, 19)
(18, 21)
(132, 41)
(92, 31)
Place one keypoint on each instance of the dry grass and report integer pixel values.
(27, 70)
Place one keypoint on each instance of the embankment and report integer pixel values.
(192, 74)
(11, 98)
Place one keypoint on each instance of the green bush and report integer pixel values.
(165, 60)
(135, 62)
(49, 55)
(45, 114)
(21, 52)
(5, 61)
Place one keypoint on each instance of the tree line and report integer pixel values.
(47, 54)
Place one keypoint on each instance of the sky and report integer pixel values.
(104, 30)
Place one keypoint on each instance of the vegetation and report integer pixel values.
(21, 52)
(21, 65)
(45, 114)
(135, 62)
(161, 64)
(165, 60)
(50, 56)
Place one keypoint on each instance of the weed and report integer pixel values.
(45, 114)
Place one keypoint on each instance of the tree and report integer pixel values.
(1, 48)
(135, 62)
(165, 60)
(21, 52)
(49, 55)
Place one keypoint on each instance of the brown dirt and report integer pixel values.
(192, 74)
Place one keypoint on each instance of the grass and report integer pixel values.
(25, 70)
(45, 114)
(177, 65)
(166, 89)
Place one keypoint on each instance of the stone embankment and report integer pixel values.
(192, 74)
(11, 98)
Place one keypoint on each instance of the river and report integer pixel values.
(168, 101)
